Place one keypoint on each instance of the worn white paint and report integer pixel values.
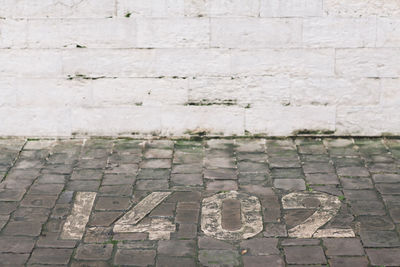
(326, 207)
(157, 228)
(74, 226)
(144, 207)
(341, 233)
(211, 216)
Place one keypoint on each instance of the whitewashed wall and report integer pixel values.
(175, 67)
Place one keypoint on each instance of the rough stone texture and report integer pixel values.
(183, 67)
(358, 176)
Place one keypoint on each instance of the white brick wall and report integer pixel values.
(179, 67)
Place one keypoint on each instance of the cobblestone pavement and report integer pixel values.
(217, 202)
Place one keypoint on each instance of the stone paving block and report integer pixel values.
(98, 234)
(320, 167)
(290, 184)
(304, 255)
(251, 156)
(187, 168)
(112, 203)
(115, 190)
(175, 261)
(57, 169)
(248, 166)
(353, 171)
(156, 164)
(151, 185)
(164, 210)
(60, 211)
(300, 242)
(225, 185)
(219, 257)
(219, 162)
(50, 256)
(104, 218)
(187, 212)
(263, 261)
(343, 247)
(260, 246)
(33, 214)
(52, 179)
(392, 189)
(16, 244)
(379, 238)
(135, 257)
(187, 231)
(11, 195)
(45, 189)
(220, 174)
(118, 168)
(275, 230)
(348, 262)
(188, 196)
(356, 183)
(87, 174)
(210, 243)
(176, 248)
(384, 256)
(292, 173)
(79, 185)
(51, 240)
(354, 195)
(89, 264)
(386, 178)
(365, 207)
(26, 228)
(94, 252)
(188, 179)
(7, 207)
(41, 201)
(118, 179)
(13, 260)
(153, 174)
(322, 178)
(371, 223)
